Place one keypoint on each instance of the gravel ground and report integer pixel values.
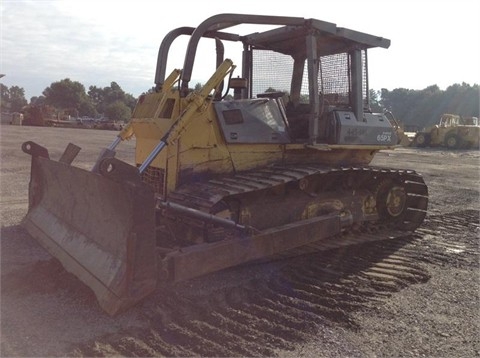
(416, 296)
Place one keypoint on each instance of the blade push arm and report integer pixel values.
(195, 101)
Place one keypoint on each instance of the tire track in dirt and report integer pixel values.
(263, 315)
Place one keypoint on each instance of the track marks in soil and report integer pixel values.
(43, 277)
(263, 315)
(20, 277)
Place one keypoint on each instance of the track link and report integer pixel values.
(205, 196)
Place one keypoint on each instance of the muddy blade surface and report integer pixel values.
(101, 230)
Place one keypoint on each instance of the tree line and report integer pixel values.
(422, 108)
(414, 108)
(67, 99)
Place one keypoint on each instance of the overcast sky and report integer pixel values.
(97, 42)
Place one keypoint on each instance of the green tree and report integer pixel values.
(87, 109)
(12, 99)
(66, 94)
(38, 101)
(102, 98)
(423, 108)
(375, 101)
(96, 97)
(4, 98)
(118, 111)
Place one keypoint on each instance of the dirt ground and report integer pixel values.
(417, 296)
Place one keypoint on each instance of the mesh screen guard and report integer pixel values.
(272, 71)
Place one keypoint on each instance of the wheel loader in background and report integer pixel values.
(403, 138)
(452, 132)
(279, 168)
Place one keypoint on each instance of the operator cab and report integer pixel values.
(305, 81)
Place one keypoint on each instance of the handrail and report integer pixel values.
(167, 42)
(222, 21)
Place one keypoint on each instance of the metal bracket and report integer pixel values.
(35, 150)
(119, 171)
(70, 153)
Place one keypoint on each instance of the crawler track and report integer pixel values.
(278, 195)
(285, 305)
(204, 195)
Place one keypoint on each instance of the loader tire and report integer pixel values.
(452, 141)
(422, 140)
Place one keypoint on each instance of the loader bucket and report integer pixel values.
(101, 227)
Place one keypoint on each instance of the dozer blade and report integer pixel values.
(100, 227)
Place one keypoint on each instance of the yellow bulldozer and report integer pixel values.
(265, 160)
(452, 131)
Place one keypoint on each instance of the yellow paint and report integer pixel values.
(195, 143)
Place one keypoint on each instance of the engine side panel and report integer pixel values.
(372, 129)
(252, 121)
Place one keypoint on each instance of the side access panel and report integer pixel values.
(372, 129)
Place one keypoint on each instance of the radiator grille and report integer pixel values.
(155, 177)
